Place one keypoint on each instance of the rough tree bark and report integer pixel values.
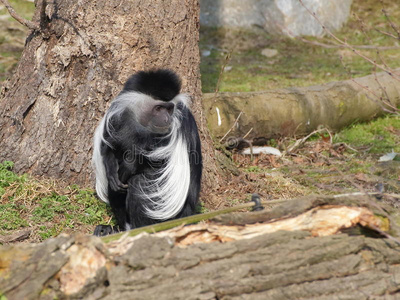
(74, 65)
(225, 259)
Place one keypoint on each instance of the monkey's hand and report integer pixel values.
(116, 185)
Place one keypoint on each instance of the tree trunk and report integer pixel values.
(74, 65)
(222, 260)
(299, 111)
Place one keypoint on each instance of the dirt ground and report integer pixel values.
(317, 167)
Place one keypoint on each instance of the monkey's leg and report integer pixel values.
(118, 207)
(136, 202)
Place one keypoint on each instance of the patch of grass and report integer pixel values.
(253, 169)
(201, 209)
(46, 206)
(379, 136)
(7, 176)
(297, 63)
(10, 216)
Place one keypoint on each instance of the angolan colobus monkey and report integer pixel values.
(147, 153)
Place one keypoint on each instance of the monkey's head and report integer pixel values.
(156, 115)
(158, 91)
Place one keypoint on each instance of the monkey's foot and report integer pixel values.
(103, 230)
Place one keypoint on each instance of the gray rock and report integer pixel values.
(205, 53)
(230, 13)
(269, 52)
(291, 18)
(276, 16)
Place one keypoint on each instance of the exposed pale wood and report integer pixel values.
(277, 265)
(187, 220)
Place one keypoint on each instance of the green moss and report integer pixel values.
(379, 136)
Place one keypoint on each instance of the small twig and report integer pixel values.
(345, 145)
(347, 45)
(234, 124)
(360, 188)
(364, 29)
(335, 46)
(248, 133)
(251, 149)
(377, 97)
(391, 195)
(13, 13)
(394, 27)
(387, 100)
(227, 58)
(380, 103)
(299, 142)
(356, 194)
(385, 234)
(387, 33)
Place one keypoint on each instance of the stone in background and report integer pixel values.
(276, 16)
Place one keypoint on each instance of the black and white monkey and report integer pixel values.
(147, 153)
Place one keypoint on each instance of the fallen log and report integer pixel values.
(296, 250)
(299, 111)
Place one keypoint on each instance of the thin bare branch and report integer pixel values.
(300, 142)
(13, 13)
(394, 26)
(335, 46)
(248, 133)
(382, 101)
(387, 33)
(351, 47)
(234, 124)
(385, 234)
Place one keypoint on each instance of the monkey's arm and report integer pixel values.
(111, 166)
(191, 135)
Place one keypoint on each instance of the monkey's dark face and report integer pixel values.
(157, 116)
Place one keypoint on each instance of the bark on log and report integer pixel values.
(301, 110)
(74, 65)
(278, 265)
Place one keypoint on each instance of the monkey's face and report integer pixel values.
(157, 116)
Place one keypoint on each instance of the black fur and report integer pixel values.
(126, 166)
(161, 84)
